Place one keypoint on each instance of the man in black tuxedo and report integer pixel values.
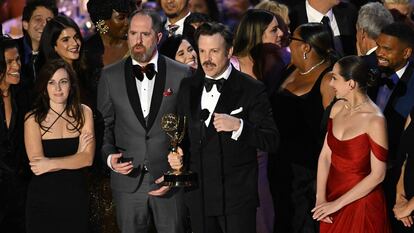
(340, 16)
(394, 94)
(229, 118)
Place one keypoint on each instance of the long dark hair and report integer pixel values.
(41, 105)
(250, 30)
(49, 38)
(6, 42)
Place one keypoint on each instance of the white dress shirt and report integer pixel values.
(179, 23)
(209, 101)
(145, 89)
(315, 16)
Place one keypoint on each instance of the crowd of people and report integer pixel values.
(298, 118)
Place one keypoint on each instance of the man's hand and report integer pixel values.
(176, 159)
(123, 168)
(225, 123)
(161, 191)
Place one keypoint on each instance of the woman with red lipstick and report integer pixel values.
(59, 140)
(13, 106)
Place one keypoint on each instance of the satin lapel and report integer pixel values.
(401, 87)
(132, 92)
(157, 93)
(229, 97)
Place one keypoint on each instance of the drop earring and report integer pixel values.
(304, 56)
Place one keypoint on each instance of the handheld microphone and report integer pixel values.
(204, 114)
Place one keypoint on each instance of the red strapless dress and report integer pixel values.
(350, 163)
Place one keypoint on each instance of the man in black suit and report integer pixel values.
(229, 118)
(340, 16)
(394, 94)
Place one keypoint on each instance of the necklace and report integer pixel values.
(356, 107)
(312, 68)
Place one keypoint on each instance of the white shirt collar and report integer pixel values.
(178, 23)
(371, 50)
(225, 74)
(315, 16)
(154, 60)
(401, 71)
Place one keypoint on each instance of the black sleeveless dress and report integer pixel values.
(293, 171)
(407, 150)
(58, 201)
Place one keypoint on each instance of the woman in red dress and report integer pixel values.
(352, 162)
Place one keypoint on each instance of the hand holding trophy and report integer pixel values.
(175, 127)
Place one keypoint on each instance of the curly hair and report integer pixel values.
(102, 9)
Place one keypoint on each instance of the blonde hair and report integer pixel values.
(276, 8)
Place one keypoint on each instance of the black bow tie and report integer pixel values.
(388, 81)
(139, 71)
(208, 84)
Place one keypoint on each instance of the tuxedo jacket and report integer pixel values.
(398, 108)
(216, 156)
(141, 140)
(346, 16)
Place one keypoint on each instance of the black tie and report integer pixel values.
(326, 21)
(139, 71)
(172, 28)
(208, 84)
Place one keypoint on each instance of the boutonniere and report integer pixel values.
(168, 92)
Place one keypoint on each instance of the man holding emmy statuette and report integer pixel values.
(133, 95)
(229, 118)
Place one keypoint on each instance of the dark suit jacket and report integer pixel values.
(398, 108)
(346, 16)
(126, 130)
(239, 159)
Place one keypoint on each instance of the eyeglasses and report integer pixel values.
(294, 38)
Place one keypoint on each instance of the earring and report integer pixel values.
(304, 56)
(101, 27)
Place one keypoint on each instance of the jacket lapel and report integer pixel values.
(157, 93)
(401, 87)
(132, 92)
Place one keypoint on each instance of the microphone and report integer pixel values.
(204, 114)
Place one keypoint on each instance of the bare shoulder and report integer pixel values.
(29, 117)
(86, 110)
(338, 106)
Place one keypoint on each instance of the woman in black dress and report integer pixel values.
(298, 105)
(59, 139)
(404, 205)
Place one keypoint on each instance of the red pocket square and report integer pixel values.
(168, 92)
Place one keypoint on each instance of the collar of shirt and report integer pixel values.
(371, 50)
(401, 71)
(179, 23)
(314, 16)
(154, 60)
(225, 74)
